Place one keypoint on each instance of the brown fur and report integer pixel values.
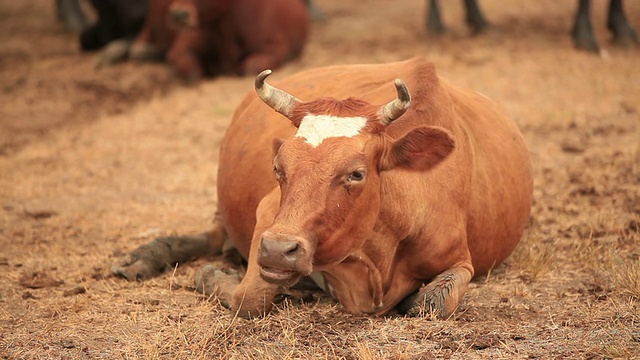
(226, 36)
(446, 195)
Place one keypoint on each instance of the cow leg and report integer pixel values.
(582, 30)
(252, 296)
(248, 296)
(623, 33)
(184, 56)
(115, 51)
(475, 19)
(440, 297)
(71, 15)
(314, 12)
(434, 22)
(143, 48)
(163, 253)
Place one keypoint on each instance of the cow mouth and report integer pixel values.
(279, 276)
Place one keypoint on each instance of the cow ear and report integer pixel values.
(420, 149)
(277, 142)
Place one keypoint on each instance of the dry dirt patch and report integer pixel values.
(94, 163)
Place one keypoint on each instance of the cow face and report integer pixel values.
(329, 175)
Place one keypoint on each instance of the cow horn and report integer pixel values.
(397, 107)
(277, 99)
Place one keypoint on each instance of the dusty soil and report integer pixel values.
(94, 162)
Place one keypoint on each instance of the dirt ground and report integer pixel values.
(95, 162)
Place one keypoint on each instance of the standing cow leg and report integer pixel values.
(623, 33)
(474, 18)
(434, 22)
(582, 30)
(314, 12)
(441, 296)
(163, 253)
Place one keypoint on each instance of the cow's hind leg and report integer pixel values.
(440, 297)
(623, 33)
(154, 258)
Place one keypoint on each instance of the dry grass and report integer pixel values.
(95, 163)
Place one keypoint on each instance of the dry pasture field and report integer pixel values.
(95, 162)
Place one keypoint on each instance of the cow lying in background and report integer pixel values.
(582, 31)
(116, 20)
(211, 37)
(386, 206)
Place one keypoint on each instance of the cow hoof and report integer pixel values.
(145, 262)
(142, 51)
(217, 281)
(440, 298)
(116, 51)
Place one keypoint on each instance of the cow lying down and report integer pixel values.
(386, 203)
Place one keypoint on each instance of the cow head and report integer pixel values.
(329, 175)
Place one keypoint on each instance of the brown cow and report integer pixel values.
(212, 37)
(383, 205)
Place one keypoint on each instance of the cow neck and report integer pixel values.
(375, 278)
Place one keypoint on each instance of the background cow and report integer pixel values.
(210, 37)
(582, 31)
(383, 205)
(116, 20)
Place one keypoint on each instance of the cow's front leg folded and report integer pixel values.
(440, 297)
(219, 281)
(249, 296)
(154, 258)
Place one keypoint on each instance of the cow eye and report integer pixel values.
(278, 173)
(356, 176)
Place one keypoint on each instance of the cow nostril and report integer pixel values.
(290, 249)
(278, 250)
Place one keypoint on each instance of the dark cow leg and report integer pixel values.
(475, 19)
(154, 258)
(440, 297)
(623, 33)
(582, 30)
(71, 15)
(314, 12)
(434, 22)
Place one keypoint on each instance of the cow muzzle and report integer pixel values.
(283, 259)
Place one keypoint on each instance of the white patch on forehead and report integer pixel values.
(316, 128)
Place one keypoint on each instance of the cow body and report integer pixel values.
(210, 37)
(384, 206)
(116, 20)
(411, 225)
